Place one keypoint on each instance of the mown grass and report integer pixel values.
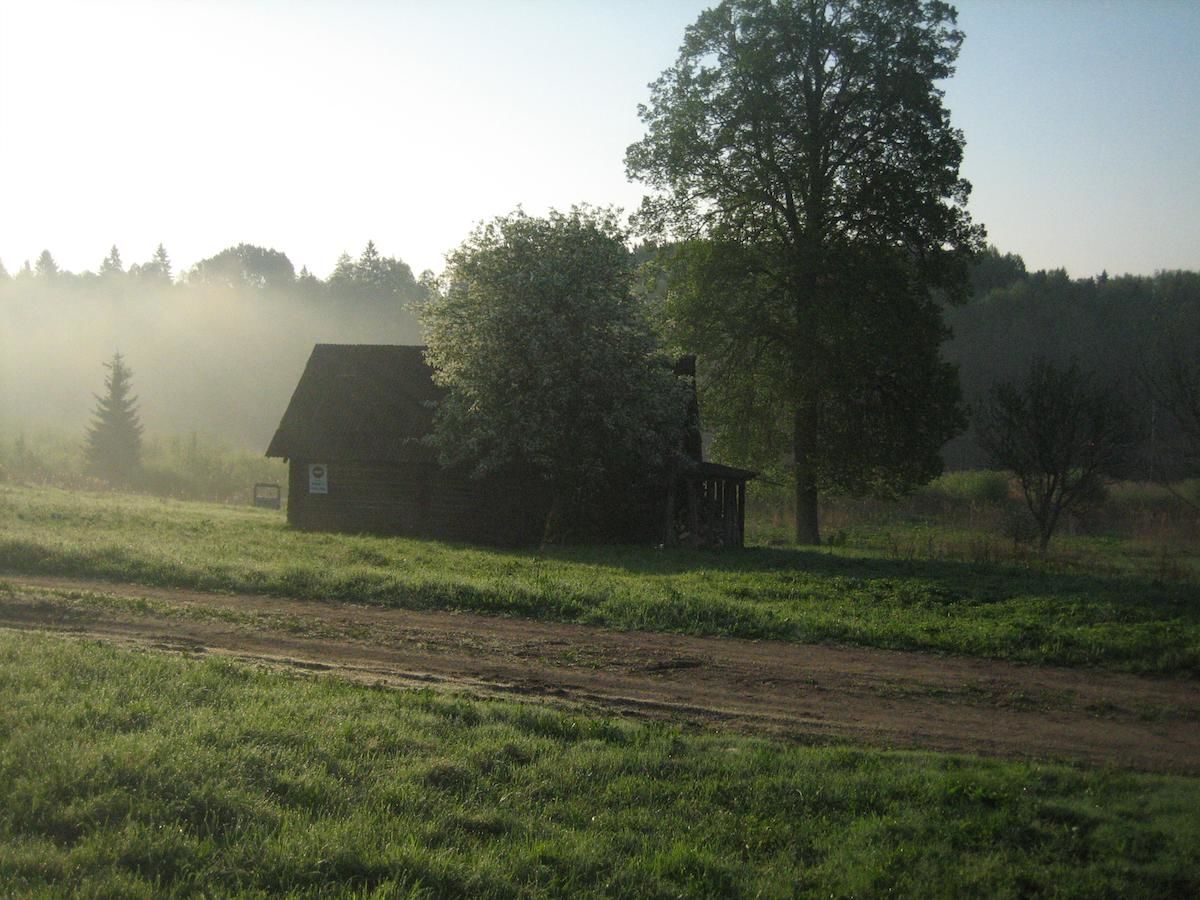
(131, 774)
(1021, 612)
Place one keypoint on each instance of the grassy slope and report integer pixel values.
(132, 774)
(1026, 612)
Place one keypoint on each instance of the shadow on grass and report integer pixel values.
(970, 582)
(981, 582)
(981, 609)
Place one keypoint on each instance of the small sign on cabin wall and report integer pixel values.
(318, 478)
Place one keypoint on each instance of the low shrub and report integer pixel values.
(972, 486)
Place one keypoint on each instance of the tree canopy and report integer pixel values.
(156, 270)
(802, 157)
(246, 266)
(46, 266)
(549, 363)
(112, 264)
(373, 277)
(1061, 432)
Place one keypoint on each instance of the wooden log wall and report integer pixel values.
(417, 499)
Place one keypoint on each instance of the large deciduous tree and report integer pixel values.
(246, 266)
(806, 166)
(114, 440)
(549, 363)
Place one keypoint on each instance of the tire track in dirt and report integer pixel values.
(807, 692)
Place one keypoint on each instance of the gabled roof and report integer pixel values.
(700, 469)
(360, 402)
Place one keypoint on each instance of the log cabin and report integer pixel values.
(354, 437)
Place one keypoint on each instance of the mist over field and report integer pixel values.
(220, 360)
(218, 352)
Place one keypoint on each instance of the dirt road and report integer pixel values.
(808, 692)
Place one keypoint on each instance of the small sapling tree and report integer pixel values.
(113, 449)
(1060, 433)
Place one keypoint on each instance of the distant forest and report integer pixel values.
(1120, 329)
(217, 349)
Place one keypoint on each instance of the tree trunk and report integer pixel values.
(552, 530)
(808, 529)
(805, 417)
(1047, 522)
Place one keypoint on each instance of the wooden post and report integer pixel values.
(693, 513)
(669, 520)
(741, 514)
(724, 507)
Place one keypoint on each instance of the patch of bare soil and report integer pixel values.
(807, 692)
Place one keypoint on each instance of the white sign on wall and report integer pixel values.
(318, 478)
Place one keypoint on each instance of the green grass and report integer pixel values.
(131, 774)
(980, 486)
(183, 467)
(1114, 616)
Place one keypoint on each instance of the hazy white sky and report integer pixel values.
(312, 127)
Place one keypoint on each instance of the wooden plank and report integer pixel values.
(741, 514)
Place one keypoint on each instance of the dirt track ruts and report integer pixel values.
(879, 697)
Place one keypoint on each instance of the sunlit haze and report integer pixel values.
(313, 127)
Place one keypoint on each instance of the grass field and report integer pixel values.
(130, 774)
(187, 467)
(1105, 602)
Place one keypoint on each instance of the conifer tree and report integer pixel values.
(46, 266)
(114, 439)
(156, 270)
(161, 262)
(112, 264)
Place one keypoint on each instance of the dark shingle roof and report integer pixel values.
(360, 402)
(701, 469)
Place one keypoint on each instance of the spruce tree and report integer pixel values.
(46, 266)
(159, 267)
(112, 264)
(114, 439)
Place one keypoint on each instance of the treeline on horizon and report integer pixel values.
(218, 349)
(215, 350)
(1120, 330)
(372, 277)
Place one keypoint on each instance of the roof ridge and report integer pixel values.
(372, 346)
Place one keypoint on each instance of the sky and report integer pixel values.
(313, 126)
